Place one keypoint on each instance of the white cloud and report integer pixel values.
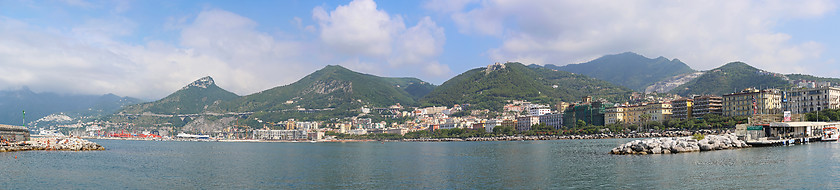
(704, 34)
(87, 59)
(358, 28)
(94, 58)
(366, 39)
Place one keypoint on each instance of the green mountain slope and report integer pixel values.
(333, 87)
(415, 87)
(192, 99)
(729, 78)
(628, 69)
(834, 81)
(490, 88)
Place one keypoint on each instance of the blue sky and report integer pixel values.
(149, 49)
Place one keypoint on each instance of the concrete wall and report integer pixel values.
(13, 133)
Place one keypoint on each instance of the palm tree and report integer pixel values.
(644, 119)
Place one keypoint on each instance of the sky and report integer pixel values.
(149, 49)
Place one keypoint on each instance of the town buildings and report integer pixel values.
(681, 108)
(752, 101)
(590, 112)
(804, 100)
(525, 123)
(704, 105)
(553, 120)
(654, 111)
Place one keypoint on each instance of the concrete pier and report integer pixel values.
(11, 133)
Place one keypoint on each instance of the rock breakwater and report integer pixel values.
(52, 143)
(673, 145)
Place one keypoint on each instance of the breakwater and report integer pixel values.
(673, 145)
(51, 143)
(565, 137)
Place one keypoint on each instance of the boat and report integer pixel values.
(191, 136)
(830, 134)
(50, 133)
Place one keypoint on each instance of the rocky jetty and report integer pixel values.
(675, 145)
(52, 143)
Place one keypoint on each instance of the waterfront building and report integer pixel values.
(805, 100)
(681, 108)
(751, 101)
(614, 115)
(706, 105)
(553, 120)
(281, 134)
(13, 133)
(490, 124)
(589, 112)
(656, 111)
(525, 123)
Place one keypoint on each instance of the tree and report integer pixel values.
(580, 123)
(644, 119)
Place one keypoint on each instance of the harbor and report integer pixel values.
(787, 133)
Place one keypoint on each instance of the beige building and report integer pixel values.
(752, 101)
(614, 115)
(634, 113)
(801, 101)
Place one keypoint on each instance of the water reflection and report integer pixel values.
(410, 165)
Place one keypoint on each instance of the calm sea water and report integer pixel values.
(411, 165)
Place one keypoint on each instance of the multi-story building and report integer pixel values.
(525, 123)
(614, 115)
(801, 101)
(659, 111)
(681, 108)
(751, 101)
(591, 112)
(706, 105)
(280, 134)
(553, 120)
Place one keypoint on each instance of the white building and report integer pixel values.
(281, 134)
(490, 124)
(801, 101)
(539, 111)
(525, 123)
(554, 120)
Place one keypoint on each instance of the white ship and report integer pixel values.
(191, 136)
(50, 133)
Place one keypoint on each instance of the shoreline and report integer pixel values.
(52, 144)
(454, 139)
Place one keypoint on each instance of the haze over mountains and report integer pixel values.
(628, 69)
(335, 91)
(38, 105)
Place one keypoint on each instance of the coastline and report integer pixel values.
(453, 139)
(52, 143)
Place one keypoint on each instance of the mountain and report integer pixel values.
(415, 87)
(729, 78)
(834, 81)
(39, 105)
(628, 69)
(194, 98)
(334, 87)
(490, 87)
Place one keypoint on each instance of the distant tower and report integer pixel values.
(24, 118)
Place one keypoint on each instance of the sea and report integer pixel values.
(558, 164)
